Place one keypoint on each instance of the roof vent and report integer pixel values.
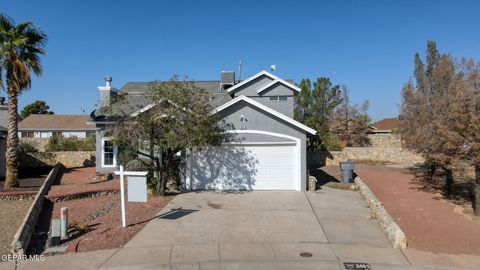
(227, 79)
(108, 81)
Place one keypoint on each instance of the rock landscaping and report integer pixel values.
(12, 214)
(94, 213)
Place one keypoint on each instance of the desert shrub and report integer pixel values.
(60, 143)
(137, 165)
(26, 147)
(330, 142)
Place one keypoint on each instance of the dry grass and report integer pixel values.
(12, 214)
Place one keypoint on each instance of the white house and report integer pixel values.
(47, 125)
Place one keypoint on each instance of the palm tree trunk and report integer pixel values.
(12, 138)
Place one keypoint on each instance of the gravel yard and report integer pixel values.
(12, 214)
(77, 180)
(99, 216)
(430, 222)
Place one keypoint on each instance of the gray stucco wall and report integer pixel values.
(282, 106)
(256, 119)
(250, 88)
(277, 89)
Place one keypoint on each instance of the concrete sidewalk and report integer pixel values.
(252, 230)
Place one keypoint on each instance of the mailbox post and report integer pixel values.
(137, 189)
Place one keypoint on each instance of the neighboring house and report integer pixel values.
(387, 125)
(3, 135)
(47, 125)
(270, 150)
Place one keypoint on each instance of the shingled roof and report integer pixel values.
(134, 97)
(55, 122)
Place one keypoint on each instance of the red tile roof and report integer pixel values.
(387, 124)
(55, 122)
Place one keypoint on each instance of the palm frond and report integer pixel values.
(6, 23)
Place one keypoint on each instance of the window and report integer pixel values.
(276, 98)
(109, 154)
(90, 134)
(27, 134)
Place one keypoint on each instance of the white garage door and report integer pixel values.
(245, 167)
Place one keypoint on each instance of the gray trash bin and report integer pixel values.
(347, 168)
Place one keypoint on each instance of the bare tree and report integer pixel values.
(351, 121)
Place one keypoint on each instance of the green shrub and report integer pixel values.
(60, 143)
(330, 142)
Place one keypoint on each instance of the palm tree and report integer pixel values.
(20, 48)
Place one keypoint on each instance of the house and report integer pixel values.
(270, 153)
(47, 125)
(387, 125)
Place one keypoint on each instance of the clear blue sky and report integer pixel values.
(366, 45)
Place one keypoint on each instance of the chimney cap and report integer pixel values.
(108, 78)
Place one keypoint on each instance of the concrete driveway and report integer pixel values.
(206, 227)
(254, 230)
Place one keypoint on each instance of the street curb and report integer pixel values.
(391, 229)
(26, 229)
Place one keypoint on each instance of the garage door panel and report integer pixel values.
(245, 167)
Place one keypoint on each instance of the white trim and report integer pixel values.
(144, 109)
(289, 85)
(266, 109)
(258, 143)
(263, 72)
(56, 129)
(298, 185)
(151, 105)
(132, 173)
(100, 122)
(115, 153)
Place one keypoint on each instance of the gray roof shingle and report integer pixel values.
(133, 97)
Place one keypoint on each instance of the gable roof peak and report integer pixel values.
(275, 79)
(265, 109)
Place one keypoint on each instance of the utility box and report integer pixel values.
(55, 233)
(347, 168)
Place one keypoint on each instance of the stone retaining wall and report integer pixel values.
(26, 229)
(391, 229)
(383, 148)
(385, 140)
(37, 143)
(69, 159)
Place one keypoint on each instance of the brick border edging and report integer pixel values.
(26, 229)
(392, 230)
